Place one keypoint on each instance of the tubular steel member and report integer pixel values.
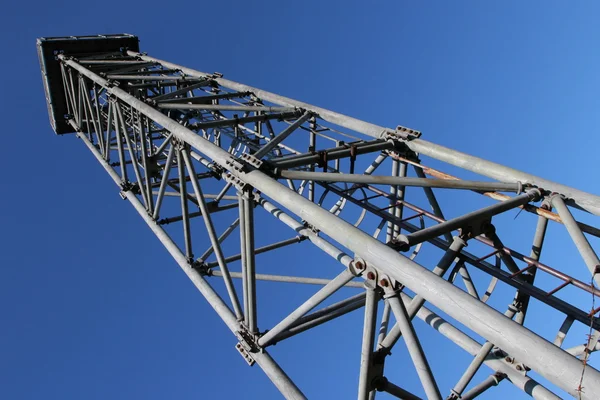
(364, 386)
(587, 253)
(404, 242)
(392, 180)
(153, 119)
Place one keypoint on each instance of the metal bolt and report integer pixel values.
(384, 282)
(371, 276)
(519, 368)
(359, 264)
(508, 359)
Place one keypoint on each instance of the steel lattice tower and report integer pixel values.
(194, 152)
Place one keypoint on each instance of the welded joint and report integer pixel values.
(477, 227)
(550, 198)
(248, 192)
(470, 230)
(200, 266)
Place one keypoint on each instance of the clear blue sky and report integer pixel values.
(92, 307)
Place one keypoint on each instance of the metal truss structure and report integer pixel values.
(199, 157)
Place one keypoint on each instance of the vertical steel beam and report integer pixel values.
(587, 253)
(187, 234)
(536, 252)
(248, 262)
(399, 195)
(368, 340)
(391, 227)
(385, 320)
(163, 182)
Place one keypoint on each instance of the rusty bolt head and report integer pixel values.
(508, 359)
(519, 368)
(359, 265)
(370, 275)
(384, 283)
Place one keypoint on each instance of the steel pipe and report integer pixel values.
(404, 242)
(222, 107)
(368, 340)
(414, 346)
(402, 181)
(587, 253)
(289, 279)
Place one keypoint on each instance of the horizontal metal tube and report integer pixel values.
(114, 62)
(145, 77)
(211, 209)
(394, 180)
(244, 120)
(221, 107)
(205, 99)
(289, 279)
(261, 250)
(181, 91)
(405, 241)
(294, 161)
